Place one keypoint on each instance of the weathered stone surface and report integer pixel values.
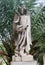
(44, 59)
(1, 61)
(24, 63)
(27, 58)
(22, 37)
(24, 57)
(16, 59)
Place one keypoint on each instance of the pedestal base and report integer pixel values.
(44, 59)
(24, 63)
(24, 58)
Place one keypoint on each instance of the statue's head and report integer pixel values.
(22, 9)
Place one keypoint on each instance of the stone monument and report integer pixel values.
(22, 33)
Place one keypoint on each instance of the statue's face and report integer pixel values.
(22, 10)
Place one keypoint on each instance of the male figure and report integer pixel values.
(22, 28)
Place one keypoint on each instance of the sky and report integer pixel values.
(41, 1)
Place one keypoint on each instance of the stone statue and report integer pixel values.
(22, 33)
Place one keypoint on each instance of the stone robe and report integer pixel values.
(24, 38)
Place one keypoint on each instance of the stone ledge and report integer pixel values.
(44, 59)
(24, 63)
(24, 58)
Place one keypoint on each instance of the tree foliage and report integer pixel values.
(6, 16)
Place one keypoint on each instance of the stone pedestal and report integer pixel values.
(24, 63)
(44, 59)
(1, 61)
(24, 60)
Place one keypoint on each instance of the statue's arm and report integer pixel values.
(20, 28)
(16, 26)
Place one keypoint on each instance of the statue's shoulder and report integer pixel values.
(16, 18)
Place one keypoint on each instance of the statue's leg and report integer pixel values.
(28, 40)
(19, 37)
(16, 42)
(20, 41)
(24, 39)
(17, 52)
(23, 45)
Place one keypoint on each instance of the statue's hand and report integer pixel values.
(19, 28)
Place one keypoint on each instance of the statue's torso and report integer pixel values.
(23, 20)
